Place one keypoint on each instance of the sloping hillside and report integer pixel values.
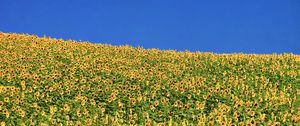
(47, 81)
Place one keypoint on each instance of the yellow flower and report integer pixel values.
(43, 124)
(262, 117)
(219, 119)
(37, 94)
(6, 99)
(253, 122)
(86, 112)
(22, 114)
(3, 124)
(156, 103)
(6, 113)
(66, 107)
(160, 113)
(53, 109)
(276, 124)
(133, 101)
(89, 122)
(152, 107)
(201, 106)
(252, 113)
(211, 123)
(43, 113)
(204, 97)
(23, 85)
(78, 123)
(148, 123)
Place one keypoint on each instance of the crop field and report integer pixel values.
(46, 81)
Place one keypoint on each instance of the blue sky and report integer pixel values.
(220, 26)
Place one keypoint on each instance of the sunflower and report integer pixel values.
(152, 107)
(78, 123)
(23, 85)
(148, 122)
(201, 106)
(66, 107)
(156, 103)
(6, 99)
(37, 94)
(241, 124)
(276, 124)
(133, 101)
(160, 113)
(262, 117)
(252, 113)
(210, 123)
(219, 119)
(205, 97)
(189, 96)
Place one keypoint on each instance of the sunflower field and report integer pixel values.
(46, 81)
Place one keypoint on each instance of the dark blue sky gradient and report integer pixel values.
(220, 26)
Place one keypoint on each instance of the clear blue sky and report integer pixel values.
(220, 26)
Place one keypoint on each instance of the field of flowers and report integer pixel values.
(46, 81)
